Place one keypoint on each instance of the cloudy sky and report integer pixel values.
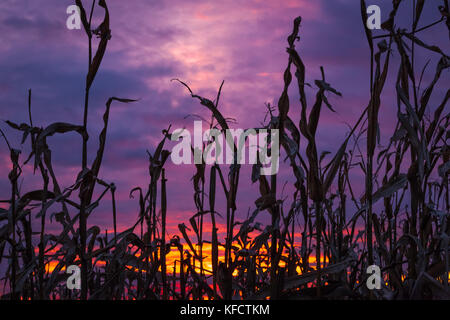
(200, 42)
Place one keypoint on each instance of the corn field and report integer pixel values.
(322, 235)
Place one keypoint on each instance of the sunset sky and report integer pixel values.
(202, 43)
